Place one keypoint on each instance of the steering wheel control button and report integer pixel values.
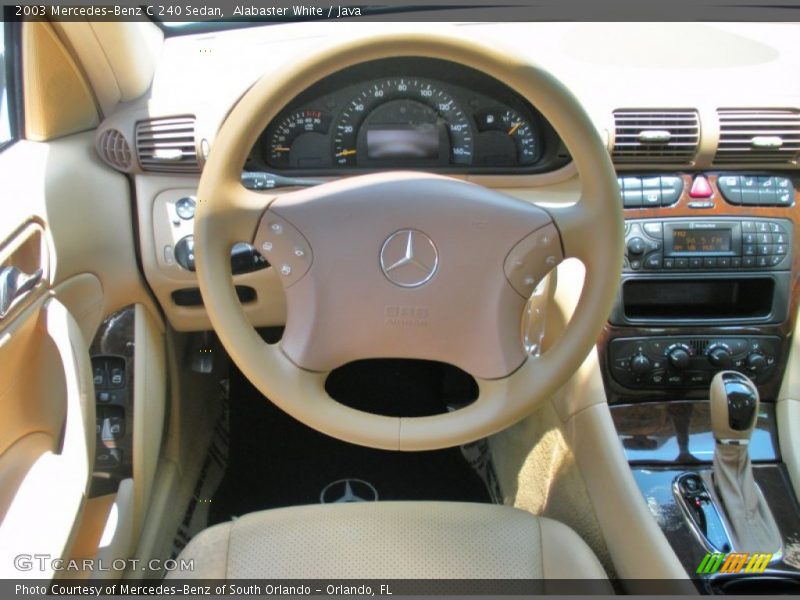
(185, 208)
(533, 258)
(284, 247)
(701, 188)
(409, 258)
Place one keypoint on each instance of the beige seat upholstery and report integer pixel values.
(391, 540)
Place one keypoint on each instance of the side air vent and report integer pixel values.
(114, 149)
(657, 136)
(167, 145)
(752, 136)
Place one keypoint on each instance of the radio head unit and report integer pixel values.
(722, 244)
(703, 238)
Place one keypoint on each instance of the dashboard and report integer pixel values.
(408, 114)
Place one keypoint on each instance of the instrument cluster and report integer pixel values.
(408, 114)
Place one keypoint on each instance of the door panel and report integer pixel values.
(46, 433)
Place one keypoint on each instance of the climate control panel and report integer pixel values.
(684, 362)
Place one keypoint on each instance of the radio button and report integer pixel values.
(653, 262)
(695, 263)
(636, 246)
(654, 229)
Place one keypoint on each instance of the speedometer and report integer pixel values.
(405, 121)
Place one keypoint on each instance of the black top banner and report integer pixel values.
(227, 11)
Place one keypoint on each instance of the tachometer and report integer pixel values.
(402, 121)
(296, 139)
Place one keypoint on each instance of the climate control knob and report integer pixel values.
(756, 361)
(679, 357)
(640, 364)
(720, 356)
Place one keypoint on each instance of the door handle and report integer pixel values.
(15, 284)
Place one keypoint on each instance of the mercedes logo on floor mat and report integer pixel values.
(348, 490)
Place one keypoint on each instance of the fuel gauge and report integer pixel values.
(507, 124)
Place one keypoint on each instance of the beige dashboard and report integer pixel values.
(607, 66)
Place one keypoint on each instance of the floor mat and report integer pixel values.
(276, 461)
(195, 517)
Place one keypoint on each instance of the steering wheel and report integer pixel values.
(407, 264)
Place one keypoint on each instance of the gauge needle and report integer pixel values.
(513, 130)
(346, 153)
(281, 149)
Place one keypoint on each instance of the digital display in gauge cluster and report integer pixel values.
(404, 122)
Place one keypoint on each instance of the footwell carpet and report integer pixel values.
(276, 461)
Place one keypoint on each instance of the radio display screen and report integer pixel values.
(698, 241)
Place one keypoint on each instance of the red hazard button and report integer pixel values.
(701, 188)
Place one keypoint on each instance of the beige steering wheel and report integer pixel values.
(407, 264)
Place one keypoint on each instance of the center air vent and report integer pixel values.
(167, 145)
(657, 136)
(752, 136)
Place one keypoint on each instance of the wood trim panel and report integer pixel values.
(721, 208)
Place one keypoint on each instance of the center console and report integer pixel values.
(709, 284)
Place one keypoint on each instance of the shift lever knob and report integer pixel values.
(734, 407)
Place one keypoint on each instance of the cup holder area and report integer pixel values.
(756, 584)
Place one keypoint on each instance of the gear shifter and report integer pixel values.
(734, 410)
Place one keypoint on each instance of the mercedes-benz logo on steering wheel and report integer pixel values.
(348, 490)
(409, 258)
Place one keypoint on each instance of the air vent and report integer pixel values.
(167, 145)
(758, 136)
(115, 150)
(662, 136)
